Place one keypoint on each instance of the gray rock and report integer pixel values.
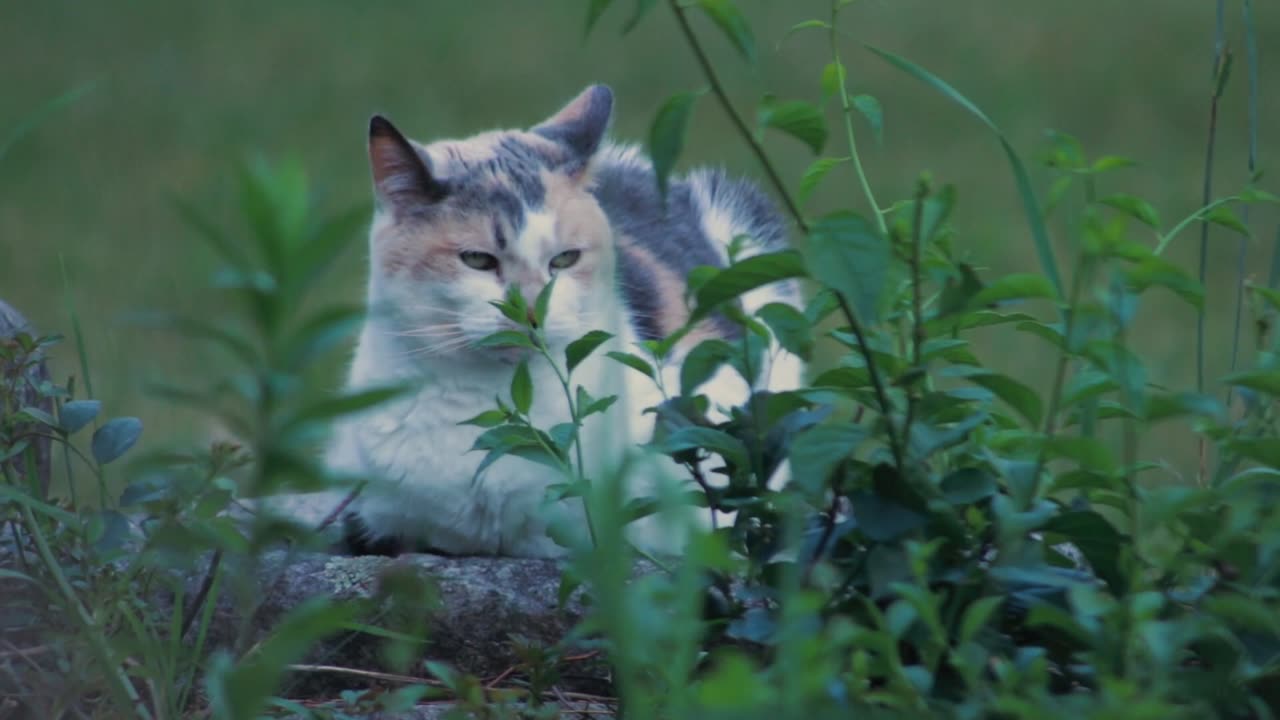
(470, 609)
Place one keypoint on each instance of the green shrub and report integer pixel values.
(954, 541)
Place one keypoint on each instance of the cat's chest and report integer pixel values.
(428, 429)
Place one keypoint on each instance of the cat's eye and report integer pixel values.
(479, 260)
(565, 259)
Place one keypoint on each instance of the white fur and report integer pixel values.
(422, 482)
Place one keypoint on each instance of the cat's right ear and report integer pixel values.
(401, 174)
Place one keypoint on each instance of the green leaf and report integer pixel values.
(506, 339)
(543, 301)
(1018, 286)
(870, 108)
(486, 419)
(790, 328)
(743, 276)
(976, 617)
(814, 174)
(242, 691)
(519, 440)
(347, 403)
(1019, 396)
(1156, 271)
(1030, 206)
(729, 18)
(928, 439)
(883, 520)
(667, 132)
(38, 415)
(1262, 450)
(1107, 163)
(833, 77)
(642, 8)
(806, 25)
(1226, 217)
(588, 405)
(579, 349)
(1097, 539)
(717, 441)
(594, 11)
(1134, 207)
(846, 254)
(702, 362)
(522, 388)
(816, 452)
(1057, 192)
(968, 485)
(1263, 381)
(634, 362)
(797, 118)
(78, 413)
(115, 438)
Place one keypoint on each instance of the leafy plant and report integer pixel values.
(951, 541)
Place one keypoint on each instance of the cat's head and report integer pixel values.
(458, 221)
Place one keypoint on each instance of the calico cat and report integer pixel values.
(457, 222)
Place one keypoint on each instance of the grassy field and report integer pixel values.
(178, 90)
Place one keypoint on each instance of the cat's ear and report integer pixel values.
(580, 125)
(401, 174)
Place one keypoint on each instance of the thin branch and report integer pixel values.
(1221, 65)
(847, 111)
(917, 305)
(877, 382)
(193, 609)
(714, 80)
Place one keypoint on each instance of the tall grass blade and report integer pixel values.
(1030, 205)
(1251, 62)
(33, 120)
(82, 353)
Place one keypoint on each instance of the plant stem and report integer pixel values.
(577, 425)
(917, 305)
(1221, 61)
(877, 383)
(792, 208)
(847, 113)
(1251, 57)
(118, 681)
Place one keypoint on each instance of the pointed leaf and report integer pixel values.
(667, 132)
(870, 108)
(817, 452)
(580, 349)
(1030, 206)
(115, 438)
(522, 388)
(846, 254)
(634, 362)
(733, 24)
(746, 275)
(797, 118)
(789, 327)
(814, 174)
(1134, 207)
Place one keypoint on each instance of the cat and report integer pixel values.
(456, 223)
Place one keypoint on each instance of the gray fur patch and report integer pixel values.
(674, 234)
(505, 185)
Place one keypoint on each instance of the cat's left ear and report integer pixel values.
(581, 124)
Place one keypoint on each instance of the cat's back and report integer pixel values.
(659, 242)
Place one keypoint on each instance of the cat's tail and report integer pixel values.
(734, 210)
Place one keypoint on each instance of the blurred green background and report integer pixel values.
(181, 89)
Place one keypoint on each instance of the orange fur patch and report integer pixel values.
(430, 250)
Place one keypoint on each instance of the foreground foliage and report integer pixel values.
(954, 542)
